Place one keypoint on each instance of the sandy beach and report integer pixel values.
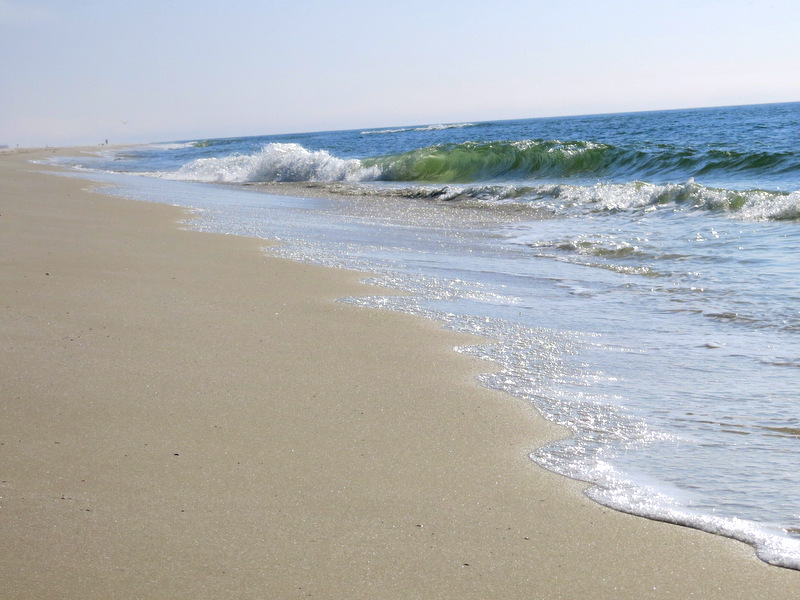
(184, 416)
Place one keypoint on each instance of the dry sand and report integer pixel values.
(184, 417)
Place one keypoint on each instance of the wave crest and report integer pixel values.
(276, 162)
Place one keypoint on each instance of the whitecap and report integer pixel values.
(275, 162)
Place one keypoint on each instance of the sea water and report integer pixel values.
(639, 272)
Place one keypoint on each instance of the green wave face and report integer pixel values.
(468, 162)
(551, 159)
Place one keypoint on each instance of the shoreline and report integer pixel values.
(176, 426)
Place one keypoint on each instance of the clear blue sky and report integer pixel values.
(79, 72)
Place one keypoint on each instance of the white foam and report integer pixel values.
(750, 205)
(772, 544)
(275, 162)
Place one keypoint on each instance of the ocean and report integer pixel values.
(639, 272)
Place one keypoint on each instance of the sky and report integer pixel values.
(81, 72)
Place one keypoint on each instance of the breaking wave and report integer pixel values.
(538, 159)
(520, 170)
(275, 162)
(493, 161)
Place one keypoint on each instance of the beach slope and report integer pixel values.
(182, 416)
